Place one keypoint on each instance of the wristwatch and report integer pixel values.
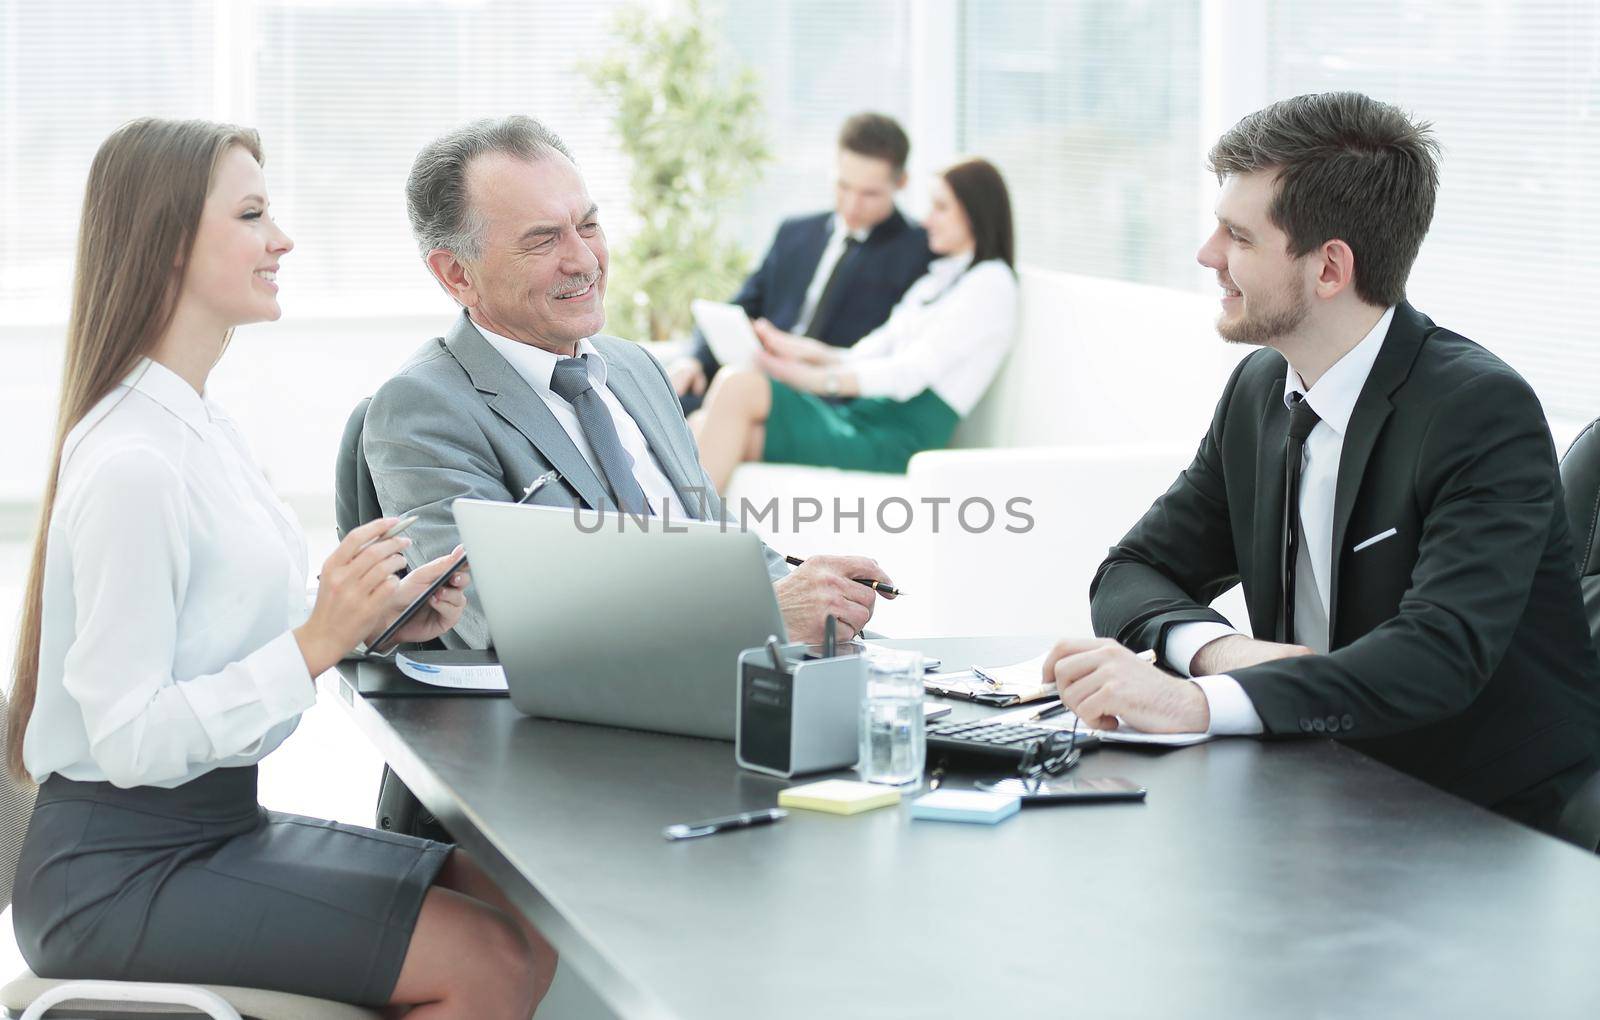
(830, 384)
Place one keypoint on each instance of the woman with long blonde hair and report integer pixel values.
(166, 646)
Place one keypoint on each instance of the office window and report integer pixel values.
(819, 61)
(69, 75)
(1513, 89)
(1091, 110)
(347, 92)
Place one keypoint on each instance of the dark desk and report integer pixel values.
(1259, 880)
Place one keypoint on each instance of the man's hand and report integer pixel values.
(1101, 680)
(824, 586)
(1235, 651)
(687, 376)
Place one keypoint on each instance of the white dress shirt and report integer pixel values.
(173, 579)
(950, 333)
(537, 366)
(1334, 399)
(831, 254)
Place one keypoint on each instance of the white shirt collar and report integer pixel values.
(840, 233)
(168, 388)
(950, 266)
(1335, 394)
(537, 365)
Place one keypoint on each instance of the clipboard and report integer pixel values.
(381, 678)
(970, 685)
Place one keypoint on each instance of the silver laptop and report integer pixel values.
(602, 618)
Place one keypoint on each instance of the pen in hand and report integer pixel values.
(877, 586)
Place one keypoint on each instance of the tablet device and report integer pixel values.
(727, 331)
(376, 647)
(421, 600)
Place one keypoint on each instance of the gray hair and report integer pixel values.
(436, 189)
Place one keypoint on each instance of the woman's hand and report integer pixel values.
(444, 607)
(803, 349)
(794, 374)
(356, 588)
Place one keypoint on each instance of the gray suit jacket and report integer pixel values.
(457, 420)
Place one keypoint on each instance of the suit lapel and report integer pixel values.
(510, 396)
(1372, 410)
(631, 393)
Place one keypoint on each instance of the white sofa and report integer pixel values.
(1100, 404)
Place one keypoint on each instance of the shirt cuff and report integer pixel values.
(282, 680)
(1184, 641)
(1233, 714)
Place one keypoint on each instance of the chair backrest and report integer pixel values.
(1580, 478)
(16, 808)
(355, 500)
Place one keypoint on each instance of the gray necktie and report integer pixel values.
(570, 382)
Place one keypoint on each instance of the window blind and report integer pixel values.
(1513, 90)
(819, 61)
(346, 93)
(1091, 110)
(70, 73)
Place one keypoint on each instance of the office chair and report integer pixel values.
(355, 502)
(1580, 479)
(31, 998)
(355, 499)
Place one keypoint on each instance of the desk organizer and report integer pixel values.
(799, 721)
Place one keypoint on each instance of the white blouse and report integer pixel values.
(950, 333)
(173, 579)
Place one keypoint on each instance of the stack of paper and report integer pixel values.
(1000, 686)
(839, 796)
(460, 670)
(1123, 734)
(965, 806)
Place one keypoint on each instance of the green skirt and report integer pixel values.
(864, 434)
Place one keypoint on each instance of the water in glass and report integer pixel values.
(892, 741)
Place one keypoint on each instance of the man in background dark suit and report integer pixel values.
(836, 275)
(1386, 490)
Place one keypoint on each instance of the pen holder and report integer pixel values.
(801, 720)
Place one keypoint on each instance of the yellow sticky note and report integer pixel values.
(838, 796)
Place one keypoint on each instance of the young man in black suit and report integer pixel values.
(836, 275)
(1386, 490)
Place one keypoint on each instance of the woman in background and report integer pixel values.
(901, 388)
(166, 648)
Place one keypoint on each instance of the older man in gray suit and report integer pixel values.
(524, 381)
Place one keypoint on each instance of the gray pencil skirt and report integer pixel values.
(200, 884)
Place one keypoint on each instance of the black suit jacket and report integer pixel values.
(1458, 648)
(877, 275)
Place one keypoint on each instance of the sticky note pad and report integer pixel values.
(965, 806)
(839, 796)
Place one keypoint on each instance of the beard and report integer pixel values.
(1258, 329)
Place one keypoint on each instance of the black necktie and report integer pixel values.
(817, 316)
(570, 382)
(1302, 419)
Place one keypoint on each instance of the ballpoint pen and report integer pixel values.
(877, 586)
(394, 530)
(1048, 712)
(743, 820)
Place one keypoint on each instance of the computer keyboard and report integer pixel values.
(985, 738)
